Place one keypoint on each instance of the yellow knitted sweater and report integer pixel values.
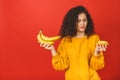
(77, 58)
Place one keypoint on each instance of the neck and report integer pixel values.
(80, 34)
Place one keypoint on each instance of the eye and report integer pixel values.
(79, 20)
(84, 20)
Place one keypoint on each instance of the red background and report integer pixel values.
(21, 57)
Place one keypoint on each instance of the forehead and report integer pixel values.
(82, 16)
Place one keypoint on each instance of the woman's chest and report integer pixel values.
(78, 49)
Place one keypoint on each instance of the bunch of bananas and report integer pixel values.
(46, 40)
(103, 42)
(50, 40)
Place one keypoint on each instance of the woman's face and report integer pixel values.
(82, 22)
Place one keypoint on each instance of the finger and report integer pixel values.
(48, 46)
(41, 44)
(103, 47)
(100, 48)
(45, 44)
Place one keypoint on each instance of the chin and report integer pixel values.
(81, 30)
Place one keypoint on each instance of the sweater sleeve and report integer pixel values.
(60, 61)
(96, 62)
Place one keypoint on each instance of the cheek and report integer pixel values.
(78, 24)
(86, 23)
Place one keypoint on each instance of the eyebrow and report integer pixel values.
(83, 19)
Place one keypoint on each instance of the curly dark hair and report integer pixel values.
(68, 27)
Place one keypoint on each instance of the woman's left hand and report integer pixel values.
(100, 46)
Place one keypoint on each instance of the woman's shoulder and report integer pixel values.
(94, 36)
(64, 39)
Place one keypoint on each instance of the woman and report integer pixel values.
(78, 52)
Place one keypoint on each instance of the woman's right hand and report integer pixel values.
(49, 47)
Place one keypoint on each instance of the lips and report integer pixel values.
(82, 27)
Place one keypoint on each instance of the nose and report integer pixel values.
(81, 23)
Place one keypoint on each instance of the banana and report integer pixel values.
(48, 38)
(42, 41)
(103, 42)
